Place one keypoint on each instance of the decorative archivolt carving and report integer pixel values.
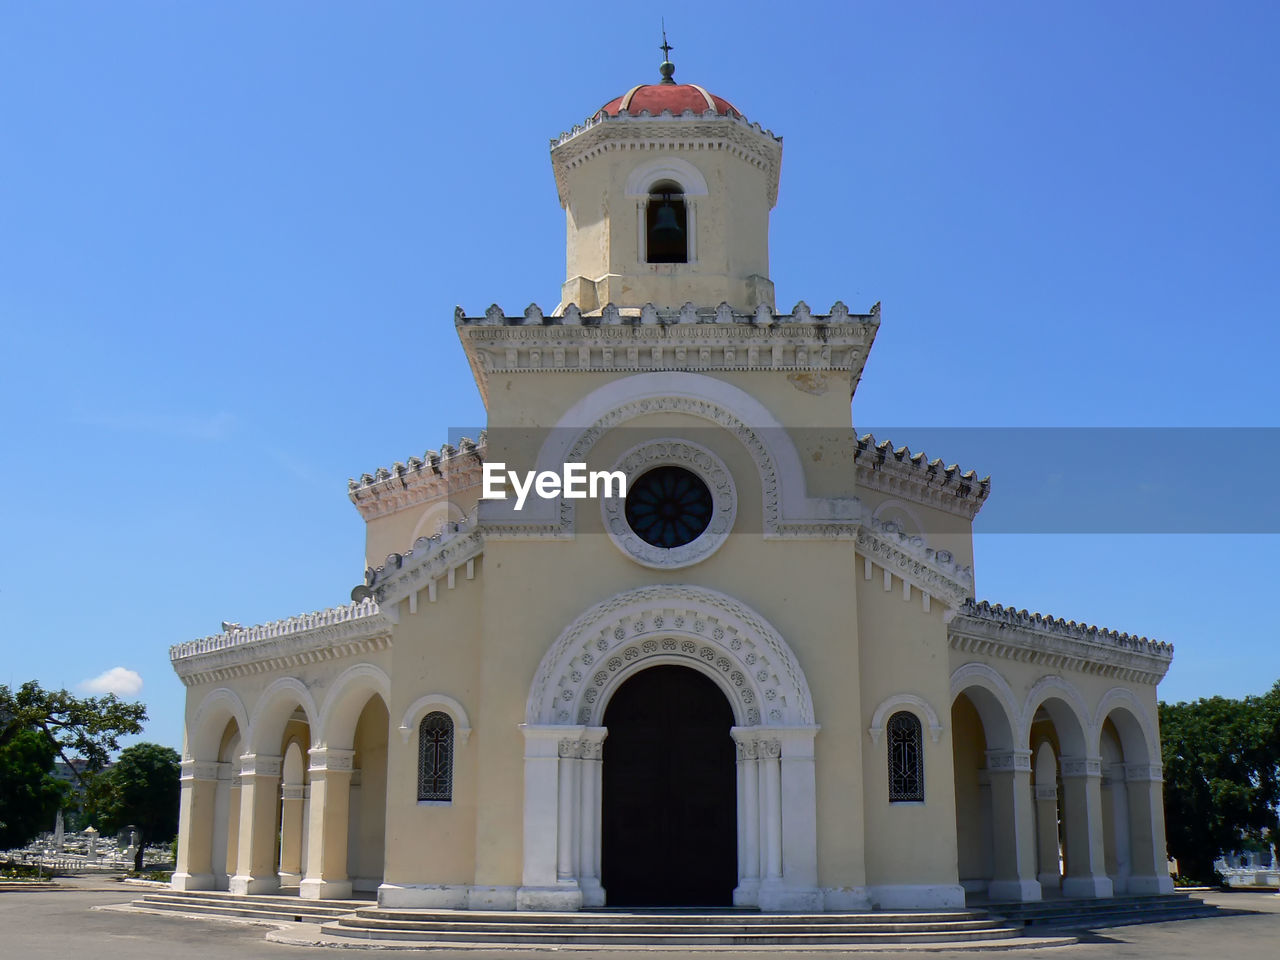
(680, 624)
(700, 461)
(436, 701)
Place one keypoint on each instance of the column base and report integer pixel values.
(775, 897)
(1023, 890)
(289, 879)
(1049, 881)
(592, 892)
(562, 897)
(243, 886)
(747, 893)
(315, 889)
(1086, 887)
(845, 899)
(191, 881)
(1149, 885)
(911, 896)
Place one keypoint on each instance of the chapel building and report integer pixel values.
(759, 678)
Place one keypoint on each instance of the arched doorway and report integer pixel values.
(669, 792)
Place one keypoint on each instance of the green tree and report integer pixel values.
(29, 793)
(39, 726)
(141, 789)
(1222, 776)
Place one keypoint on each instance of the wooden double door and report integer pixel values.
(669, 797)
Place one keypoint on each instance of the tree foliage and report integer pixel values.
(29, 793)
(141, 790)
(37, 727)
(84, 728)
(1222, 776)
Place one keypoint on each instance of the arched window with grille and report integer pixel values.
(435, 757)
(906, 758)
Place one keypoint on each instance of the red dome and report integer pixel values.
(676, 97)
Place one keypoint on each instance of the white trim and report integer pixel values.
(1045, 689)
(986, 677)
(223, 696)
(298, 691)
(919, 704)
(420, 707)
(697, 459)
(365, 676)
(1125, 697)
(646, 174)
(642, 625)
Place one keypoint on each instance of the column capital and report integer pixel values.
(1009, 761)
(203, 769)
(1144, 772)
(293, 792)
(1081, 767)
(325, 759)
(260, 765)
(1046, 793)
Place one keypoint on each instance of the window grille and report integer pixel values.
(906, 758)
(435, 757)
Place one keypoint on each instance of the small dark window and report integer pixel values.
(906, 758)
(666, 224)
(435, 757)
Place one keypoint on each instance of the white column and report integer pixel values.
(541, 887)
(1048, 863)
(194, 869)
(292, 839)
(1082, 813)
(1014, 833)
(327, 821)
(589, 778)
(1116, 798)
(799, 822)
(747, 893)
(259, 792)
(1144, 783)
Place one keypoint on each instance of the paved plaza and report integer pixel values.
(61, 924)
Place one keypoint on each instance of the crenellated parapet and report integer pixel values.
(649, 338)
(911, 476)
(433, 476)
(348, 630)
(980, 627)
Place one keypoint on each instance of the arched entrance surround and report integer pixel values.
(773, 730)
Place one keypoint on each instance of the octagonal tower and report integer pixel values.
(667, 191)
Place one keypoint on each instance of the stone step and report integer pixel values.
(1009, 907)
(779, 927)
(658, 937)
(282, 909)
(1121, 919)
(729, 918)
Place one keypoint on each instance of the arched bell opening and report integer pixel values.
(669, 792)
(666, 224)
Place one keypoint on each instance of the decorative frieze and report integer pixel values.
(260, 765)
(992, 630)
(204, 770)
(355, 629)
(1144, 772)
(324, 759)
(650, 338)
(1046, 793)
(1081, 767)
(910, 476)
(1009, 761)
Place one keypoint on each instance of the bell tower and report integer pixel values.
(667, 191)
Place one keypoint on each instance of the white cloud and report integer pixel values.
(118, 680)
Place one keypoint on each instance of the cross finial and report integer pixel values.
(667, 68)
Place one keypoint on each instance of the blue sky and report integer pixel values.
(232, 236)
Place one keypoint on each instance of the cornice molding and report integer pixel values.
(900, 473)
(687, 132)
(994, 630)
(355, 629)
(648, 339)
(433, 476)
(431, 558)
